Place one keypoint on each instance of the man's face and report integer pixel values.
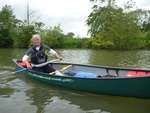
(37, 41)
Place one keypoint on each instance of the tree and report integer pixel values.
(114, 24)
(106, 2)
(54, 37)
(25, 33)
(38, 26)
(70, 35)
(143, 19)
(7, 25)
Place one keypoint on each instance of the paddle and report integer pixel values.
(61, 70)
(45, 63)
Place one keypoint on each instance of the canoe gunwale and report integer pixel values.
(106, 67)
(97, 66)
(94, 66)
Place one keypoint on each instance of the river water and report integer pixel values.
(19, 94)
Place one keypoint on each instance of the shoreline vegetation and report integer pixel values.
(110, 27)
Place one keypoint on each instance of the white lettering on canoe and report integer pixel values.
(52, 78)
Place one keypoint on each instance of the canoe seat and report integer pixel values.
(137, 73)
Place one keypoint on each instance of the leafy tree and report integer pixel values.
(70, 35)
(7, 25)
(38, 26)
(114, 24)
(25, 33)
(143, 17)
(54, 37)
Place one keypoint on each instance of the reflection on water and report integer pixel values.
(6, 92)
(121, 58)
(134, 58)
(76, 56)
(19, 94)
(53, 99)
(8, 54)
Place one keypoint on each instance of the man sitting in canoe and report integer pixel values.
(38, 55)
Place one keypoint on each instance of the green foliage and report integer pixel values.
(70, 35)
(75, 43)
(24, 35)
(116, 25)
(111, 27)
(147, 39)
(7, 22)
(143, 19)
(98, 43)
(53, 37)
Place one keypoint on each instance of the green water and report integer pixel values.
(19, 94)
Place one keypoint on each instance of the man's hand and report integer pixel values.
(28, 65)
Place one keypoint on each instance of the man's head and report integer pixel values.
(36, 39)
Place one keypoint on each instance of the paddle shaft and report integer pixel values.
(43, 64)
(61, 70)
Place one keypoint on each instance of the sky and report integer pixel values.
(70, 14)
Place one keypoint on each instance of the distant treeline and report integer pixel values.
(110, 27)
(17, 33)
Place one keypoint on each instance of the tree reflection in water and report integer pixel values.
(53, 99)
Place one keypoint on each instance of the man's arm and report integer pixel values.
(25, 59)
(54, 53)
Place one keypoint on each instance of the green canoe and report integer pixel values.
(108, 80)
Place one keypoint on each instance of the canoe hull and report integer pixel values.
(126, 86)
(133, 87)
